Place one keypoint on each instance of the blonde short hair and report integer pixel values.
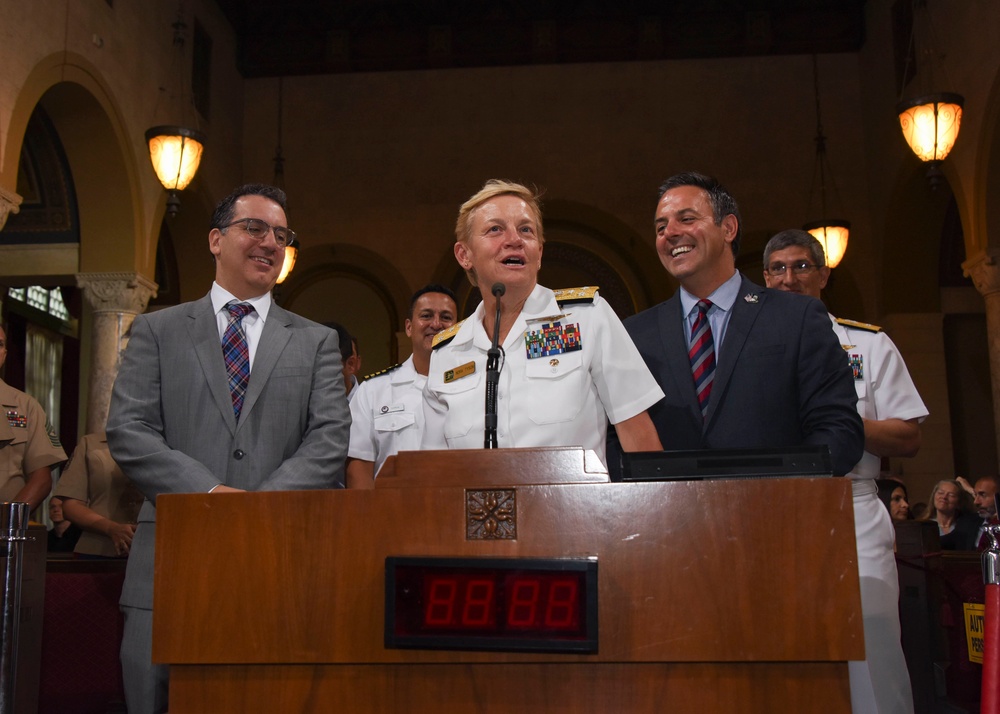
(492, 189)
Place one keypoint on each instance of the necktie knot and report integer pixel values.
(239, 310)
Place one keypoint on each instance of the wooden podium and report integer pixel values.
(714, 596)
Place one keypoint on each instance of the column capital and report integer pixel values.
(984, 270)
(116, 292)
(10, 202)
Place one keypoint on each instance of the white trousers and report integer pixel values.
(881, 683)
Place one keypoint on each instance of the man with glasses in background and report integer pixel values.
(228, 393)
(892, 410)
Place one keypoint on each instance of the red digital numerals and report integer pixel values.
(520, 602)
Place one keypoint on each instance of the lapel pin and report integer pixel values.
(751, 298)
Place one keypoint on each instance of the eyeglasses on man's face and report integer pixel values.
(257, 229)
(799, 267)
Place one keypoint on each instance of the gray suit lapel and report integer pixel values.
(273, 339)
(745, 313)
(204, 332)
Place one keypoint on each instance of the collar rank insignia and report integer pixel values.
(751, 298)
(857, 363)
(552, 338)
(19, 421)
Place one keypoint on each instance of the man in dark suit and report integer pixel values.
(268, 415)
(771, 373)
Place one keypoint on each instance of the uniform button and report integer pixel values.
(239, 454)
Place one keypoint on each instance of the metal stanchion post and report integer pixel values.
(13, 529)
(991, 646)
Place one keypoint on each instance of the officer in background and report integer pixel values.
(892, 411)
(29, 447)
(387, 408)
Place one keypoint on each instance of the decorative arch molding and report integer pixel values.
(115, 234)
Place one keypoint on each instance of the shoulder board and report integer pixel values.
(858, 325)
(447, 335)
(381, 372)
(576, 296)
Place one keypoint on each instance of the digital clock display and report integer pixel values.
(506, 604)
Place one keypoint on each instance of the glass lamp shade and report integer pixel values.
(291, 253)
(832, 235)
(930, 124)
(176, 154)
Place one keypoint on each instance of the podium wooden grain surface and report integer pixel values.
(736, 595)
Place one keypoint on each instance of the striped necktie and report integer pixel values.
(236, 352)
(702, 355)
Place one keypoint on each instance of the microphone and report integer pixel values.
(493, 373)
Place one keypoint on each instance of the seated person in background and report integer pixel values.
(350, 357)
(99, 499)
(984, 500)
(63, 536)
(893, 494)
(956, 523)
(568, 365)
(387, 412)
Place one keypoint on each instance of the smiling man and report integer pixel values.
(228, 393)
(741, 366)
(568, 365)
(387, 414)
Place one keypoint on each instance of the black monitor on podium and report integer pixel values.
(698, 465)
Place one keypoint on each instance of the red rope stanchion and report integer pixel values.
(991, 648)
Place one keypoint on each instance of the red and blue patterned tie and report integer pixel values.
(702, 355)
(237, 353)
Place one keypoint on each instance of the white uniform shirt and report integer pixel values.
(564, 398)
(885, 390)
(387, 415)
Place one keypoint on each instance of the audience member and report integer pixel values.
(951, 509)
(387, 414)
(29, 447)
(893, 495)
(985, 492)
(352, 364)
(99, 499)
(63, 535)
(566, 370)
(228, 393)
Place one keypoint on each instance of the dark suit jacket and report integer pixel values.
(782, 378)
(171, 426)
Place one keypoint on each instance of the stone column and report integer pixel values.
(985, 274)
(10, 202)
(115, 299)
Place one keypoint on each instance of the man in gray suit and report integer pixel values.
(269, 415)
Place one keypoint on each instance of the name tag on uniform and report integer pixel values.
(387, 409)
(461, 371)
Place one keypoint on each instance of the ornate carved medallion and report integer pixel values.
(491, 515)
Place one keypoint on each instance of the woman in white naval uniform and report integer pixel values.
(891, 408)
(568, 365)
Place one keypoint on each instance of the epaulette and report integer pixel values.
(381, 372)
(576, 296)
(446, 335)
(858, 325)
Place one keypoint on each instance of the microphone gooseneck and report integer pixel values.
(493, 373)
